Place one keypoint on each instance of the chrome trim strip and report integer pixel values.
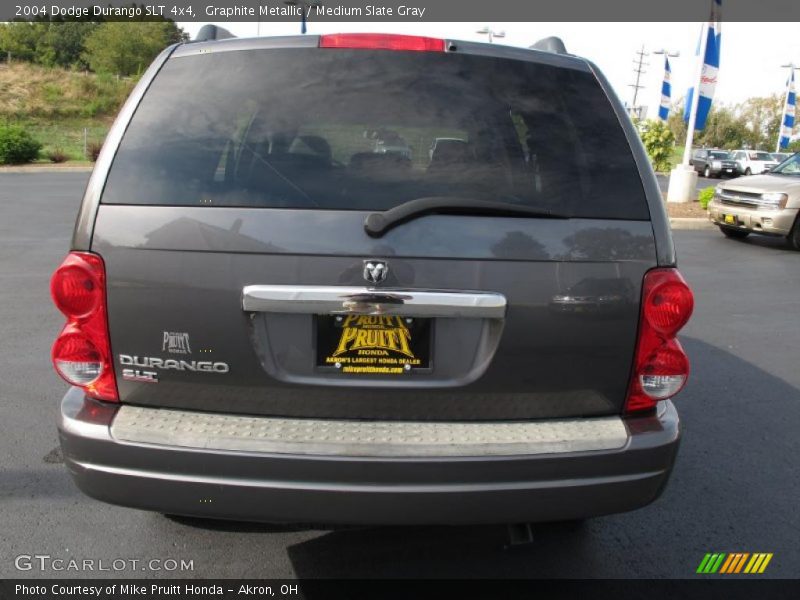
(330, 437)
(745, 200)
(371, 301)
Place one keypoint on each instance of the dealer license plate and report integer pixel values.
(373, 344)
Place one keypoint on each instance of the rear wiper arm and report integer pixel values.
(378, 223)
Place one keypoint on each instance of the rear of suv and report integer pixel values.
(270, 319)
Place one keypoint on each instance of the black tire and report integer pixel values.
(747, 171)
(734, 234)
(707, 172)
(794, 235)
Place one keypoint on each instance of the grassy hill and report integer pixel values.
(55, 105)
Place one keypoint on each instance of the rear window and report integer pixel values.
(368, 130)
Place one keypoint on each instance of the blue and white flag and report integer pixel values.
(788, 113)
(708, 77)
(666, 91)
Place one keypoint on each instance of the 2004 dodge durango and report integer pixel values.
(268, 319)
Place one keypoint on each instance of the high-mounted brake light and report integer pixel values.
(82, 351)
(661, 367)
(381, 41)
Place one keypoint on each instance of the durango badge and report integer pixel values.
(375, 271)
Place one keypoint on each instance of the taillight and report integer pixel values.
(82, 351)
(381, 41)
(661, 367)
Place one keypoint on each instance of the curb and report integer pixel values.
(690, 223)
(47, 169)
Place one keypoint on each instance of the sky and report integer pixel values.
(750, 65)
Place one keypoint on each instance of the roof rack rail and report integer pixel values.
(212, 32)
(550, 44)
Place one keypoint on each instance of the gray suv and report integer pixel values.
(268, 320)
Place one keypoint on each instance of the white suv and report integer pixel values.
(753, 162)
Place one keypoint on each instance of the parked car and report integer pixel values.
(713, 163)
(310, 332)
(779, 157)
(753, 162)
(766, 204)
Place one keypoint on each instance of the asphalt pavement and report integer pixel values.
(734, 488)
(702, 182)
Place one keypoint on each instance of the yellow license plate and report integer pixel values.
(730, 219)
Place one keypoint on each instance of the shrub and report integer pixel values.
(57, 156)
(704, 197)
(658, 140)
(17, 146)
(93, 148)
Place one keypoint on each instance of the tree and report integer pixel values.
(761, 118)
(61, 45)
(128, 48)
(659, 141)
(677, 125)
(20, 39)
(723, 129)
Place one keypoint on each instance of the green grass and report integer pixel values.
(66, 135)
(55, 105)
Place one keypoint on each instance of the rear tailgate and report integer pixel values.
(232, 227)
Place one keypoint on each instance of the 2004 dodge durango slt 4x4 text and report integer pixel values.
(268, 319)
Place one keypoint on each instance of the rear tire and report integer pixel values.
(735, 234)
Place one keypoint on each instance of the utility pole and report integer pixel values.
(638, 69)
(792, 68)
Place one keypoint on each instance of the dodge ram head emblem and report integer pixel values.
(375, 271)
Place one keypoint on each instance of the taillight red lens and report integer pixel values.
(82, 352)
(669, 301)
(661, 367)
(74, 286)
(381, 41)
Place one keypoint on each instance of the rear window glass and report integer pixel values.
(368, 130)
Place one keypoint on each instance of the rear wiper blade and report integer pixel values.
(378, 223)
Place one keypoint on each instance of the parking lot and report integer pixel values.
(702, 182)
(734, 488)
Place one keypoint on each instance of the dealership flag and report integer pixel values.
(666, 92)
(708, 78)
(788, 113)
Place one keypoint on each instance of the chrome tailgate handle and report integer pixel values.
(367, 301)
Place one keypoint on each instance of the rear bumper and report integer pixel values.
(357, 489)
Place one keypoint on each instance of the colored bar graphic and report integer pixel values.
(741, 562)
(727, 564)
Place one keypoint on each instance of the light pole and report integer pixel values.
(491, 33)
(792, 68)
(304, 5)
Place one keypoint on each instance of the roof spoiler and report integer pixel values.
(550, 44)
(209, 33)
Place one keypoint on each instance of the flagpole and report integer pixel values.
(687, 151)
